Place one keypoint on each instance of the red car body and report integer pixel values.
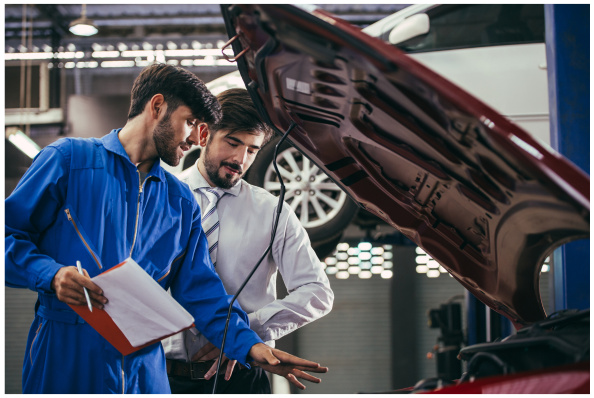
(476, 192)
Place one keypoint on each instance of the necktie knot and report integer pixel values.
(213, 194)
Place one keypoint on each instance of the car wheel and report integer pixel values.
(321, 206)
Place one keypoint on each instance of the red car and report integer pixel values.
(476, 192)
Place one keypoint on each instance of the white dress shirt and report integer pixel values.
(246, 215)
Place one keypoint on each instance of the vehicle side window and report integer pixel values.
(478, 25)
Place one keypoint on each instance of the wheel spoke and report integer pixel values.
(333, 203)
(304, 217)
(314, 170)
(286, 173)
(321, 178)
(327, 186)
(318, 207)
(272, 186)
(288, 155)
(295, 203)
(305, 169)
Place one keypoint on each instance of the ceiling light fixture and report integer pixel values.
(83, 26)
(22, 142)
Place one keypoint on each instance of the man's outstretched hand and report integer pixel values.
(284, 364)
(293, 372)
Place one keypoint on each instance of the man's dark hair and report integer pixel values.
(240, 114)
(179, 87)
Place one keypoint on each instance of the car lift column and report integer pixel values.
(567, 31)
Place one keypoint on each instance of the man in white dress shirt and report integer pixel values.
(245, 214)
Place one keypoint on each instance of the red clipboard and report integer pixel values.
(103, 323)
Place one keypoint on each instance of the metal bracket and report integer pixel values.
(238, 55)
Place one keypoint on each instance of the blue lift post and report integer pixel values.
(567, 32)
(568, 65)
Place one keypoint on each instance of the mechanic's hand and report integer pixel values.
(208, 352)
(68, 284)
(286, 365)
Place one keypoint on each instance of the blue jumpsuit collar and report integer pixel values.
(112, 143)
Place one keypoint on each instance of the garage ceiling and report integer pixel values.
(132, 23)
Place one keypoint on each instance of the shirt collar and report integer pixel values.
(197, 181)
(112, 143)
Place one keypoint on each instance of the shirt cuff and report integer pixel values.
(256, 326)
(246, 358)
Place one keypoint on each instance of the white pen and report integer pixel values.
(80, 271)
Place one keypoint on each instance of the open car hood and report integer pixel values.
(476, 192)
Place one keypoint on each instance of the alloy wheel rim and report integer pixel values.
(314, 197)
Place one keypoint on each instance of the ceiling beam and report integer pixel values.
(59, 23)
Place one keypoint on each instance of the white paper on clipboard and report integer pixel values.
(139, 306)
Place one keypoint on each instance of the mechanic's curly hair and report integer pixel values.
(240, 114)
(179, 87)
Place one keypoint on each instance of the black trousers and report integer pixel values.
(243, 381)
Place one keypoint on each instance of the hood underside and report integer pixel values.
(475, 191)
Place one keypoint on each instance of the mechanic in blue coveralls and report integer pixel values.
(101, 201)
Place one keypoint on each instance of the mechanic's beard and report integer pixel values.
(166, 147)
(212, 170)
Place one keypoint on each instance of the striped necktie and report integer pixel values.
(210, 221)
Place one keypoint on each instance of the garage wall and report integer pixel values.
(19, 306)
(354, 340)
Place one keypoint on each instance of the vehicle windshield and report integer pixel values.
(466, 26)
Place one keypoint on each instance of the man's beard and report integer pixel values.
(163, 139)
(212, 170)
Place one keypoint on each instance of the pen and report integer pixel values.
(80, 271)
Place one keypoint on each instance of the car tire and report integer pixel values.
(329, 209)
(191, 157)
(325, 248)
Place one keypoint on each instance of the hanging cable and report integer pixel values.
(279, 207)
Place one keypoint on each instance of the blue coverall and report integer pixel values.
(82, 199)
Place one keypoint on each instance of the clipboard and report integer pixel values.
(139, 312)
